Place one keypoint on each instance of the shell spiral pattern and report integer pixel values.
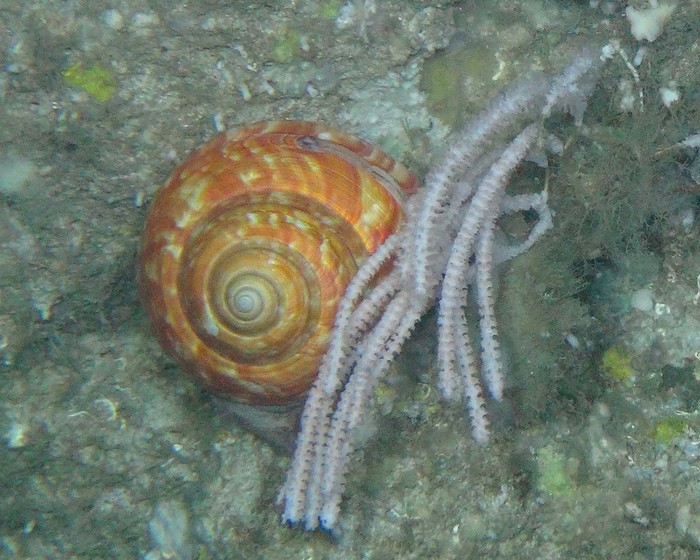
(250, 245)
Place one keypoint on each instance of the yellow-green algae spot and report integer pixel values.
(553, 478)
(447, 76)
(666, 430)
(617, 364)
(287, 46)
(330, 9)
(97, 81)
(385, 397)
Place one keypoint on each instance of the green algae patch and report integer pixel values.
(330, 10)
(553, 477)
(287, 46)
(97, 81)
(617, 364)
(666, 430)
(449, 75)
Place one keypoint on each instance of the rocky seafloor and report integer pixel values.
(108, 451)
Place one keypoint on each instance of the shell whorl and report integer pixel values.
(250, 245)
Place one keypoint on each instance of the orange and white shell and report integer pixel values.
(250, 245)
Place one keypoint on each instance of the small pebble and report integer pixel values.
(113, 19)
(692, 450)
(170, 531)
(16, 436)
(642, 300)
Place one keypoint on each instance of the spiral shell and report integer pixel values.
(249, 246)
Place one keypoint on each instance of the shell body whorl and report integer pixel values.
(249, 246)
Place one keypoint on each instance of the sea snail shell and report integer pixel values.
(251, 243)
